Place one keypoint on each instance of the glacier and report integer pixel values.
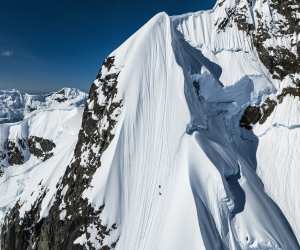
(188, 140)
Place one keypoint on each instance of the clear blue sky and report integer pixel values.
(45, 45)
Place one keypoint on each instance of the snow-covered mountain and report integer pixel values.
(14, 105)
(37, 136)
(188, 141)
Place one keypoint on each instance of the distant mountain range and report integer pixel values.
(15, 105)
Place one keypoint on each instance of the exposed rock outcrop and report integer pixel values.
(17, 152)
(40, 147)
(72, 217)
(277, 46)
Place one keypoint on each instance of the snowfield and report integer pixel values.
(178, 171)
(59, 122)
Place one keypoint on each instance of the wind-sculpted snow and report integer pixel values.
(188, 141)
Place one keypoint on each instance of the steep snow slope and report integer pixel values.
(278, 158)
(218, 185)
(22, 180)
(36, 150)
(178, 147)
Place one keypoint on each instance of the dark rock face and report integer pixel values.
(255, 114)
(40, 147)
(281, 61)
(17, 152)
(71, 215)
(251, 115)
(225, 22)
(278, 59)
(237, 14)
(17, 230)
(14, 152)
(61, 96)
(61, 99)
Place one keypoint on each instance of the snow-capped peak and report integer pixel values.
(15, 105)
(189, 140)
